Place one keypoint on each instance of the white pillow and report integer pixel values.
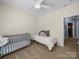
(3, 41)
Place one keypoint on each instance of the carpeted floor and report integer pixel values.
(38, 51)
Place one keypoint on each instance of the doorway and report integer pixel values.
(70, 30)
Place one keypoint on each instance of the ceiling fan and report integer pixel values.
(39, 4)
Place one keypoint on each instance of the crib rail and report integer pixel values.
(7, 48)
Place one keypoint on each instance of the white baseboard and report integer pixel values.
(60, 44)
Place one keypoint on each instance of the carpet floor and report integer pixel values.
(39, 51)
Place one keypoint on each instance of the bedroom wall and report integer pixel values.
(54, 21)
(14, 21)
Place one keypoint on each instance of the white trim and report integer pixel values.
(77, 29)
(74, 30)
(67, 29)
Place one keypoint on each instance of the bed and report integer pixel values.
(48, 41)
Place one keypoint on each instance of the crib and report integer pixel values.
(15, 42)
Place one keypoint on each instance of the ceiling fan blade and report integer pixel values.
(35, 1)
(38, 4)
(44, 6)
(38, 1)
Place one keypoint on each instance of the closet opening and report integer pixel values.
(70, 30)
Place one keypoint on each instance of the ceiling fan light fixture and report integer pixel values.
(37, 6)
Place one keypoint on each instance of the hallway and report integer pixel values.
(72, 43)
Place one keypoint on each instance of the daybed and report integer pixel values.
(46, 40)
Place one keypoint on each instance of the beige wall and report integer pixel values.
(54, 21)
(13, 21)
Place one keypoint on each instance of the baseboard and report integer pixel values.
(60, 45)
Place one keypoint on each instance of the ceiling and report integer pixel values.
(27, 5)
